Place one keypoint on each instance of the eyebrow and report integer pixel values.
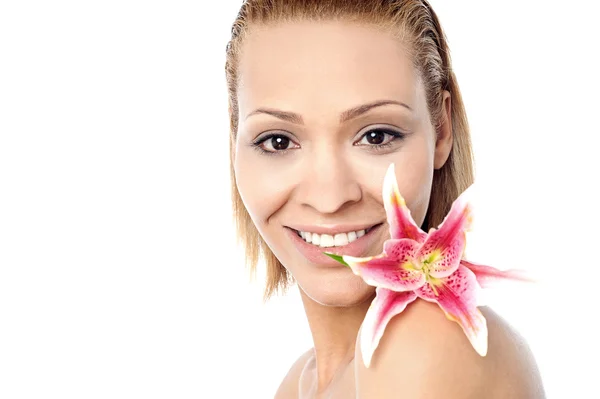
(344, 116)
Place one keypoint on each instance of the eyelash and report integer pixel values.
(377, 147)
(258, 144)
(381, 147)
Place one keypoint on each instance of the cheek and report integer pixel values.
(414, 173)
(262, 188)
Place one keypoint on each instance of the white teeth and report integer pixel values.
(340, 239)
(316, 239)
(326, 240)
(352, 236)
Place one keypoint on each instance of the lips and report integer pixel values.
(314, 254)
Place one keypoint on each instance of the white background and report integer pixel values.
(119, 276)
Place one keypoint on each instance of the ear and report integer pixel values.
(444, 137)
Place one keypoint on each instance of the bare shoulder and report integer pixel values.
(422, 354)
(289, 386)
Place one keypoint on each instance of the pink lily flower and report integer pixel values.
(415, 264)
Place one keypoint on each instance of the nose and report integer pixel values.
(329, 182)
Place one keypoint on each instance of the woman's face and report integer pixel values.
(324, 109)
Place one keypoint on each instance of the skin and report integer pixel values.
(329, 173)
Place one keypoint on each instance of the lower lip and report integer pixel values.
(314, 254)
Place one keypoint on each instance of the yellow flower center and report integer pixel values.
(425, 265)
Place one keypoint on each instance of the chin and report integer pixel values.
(338, 291)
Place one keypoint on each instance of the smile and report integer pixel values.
(337, 240)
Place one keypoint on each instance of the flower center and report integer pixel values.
(425, 265)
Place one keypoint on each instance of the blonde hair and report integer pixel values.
(416, 24)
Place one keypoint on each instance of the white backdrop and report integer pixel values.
(119, 275)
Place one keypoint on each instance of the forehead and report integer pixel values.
(307, 65)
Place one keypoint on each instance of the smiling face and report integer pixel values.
(324, 109)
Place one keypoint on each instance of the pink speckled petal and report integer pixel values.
(444, 247)
(394, 269)
(386, 305)
(486, 275)
(401, 222)
(456, 295)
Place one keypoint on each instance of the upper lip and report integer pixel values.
(332, 229)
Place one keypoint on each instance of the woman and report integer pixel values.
(324, 96)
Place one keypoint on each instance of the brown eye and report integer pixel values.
(279, 143)
(375, 137)
(275, 143)
(379, 137)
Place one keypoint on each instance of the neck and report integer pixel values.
(334, 331)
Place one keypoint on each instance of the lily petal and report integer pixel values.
(394, 269)
(486, 275)
(386, 305)
(444, 247)
(401, 222)
(456, 295)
